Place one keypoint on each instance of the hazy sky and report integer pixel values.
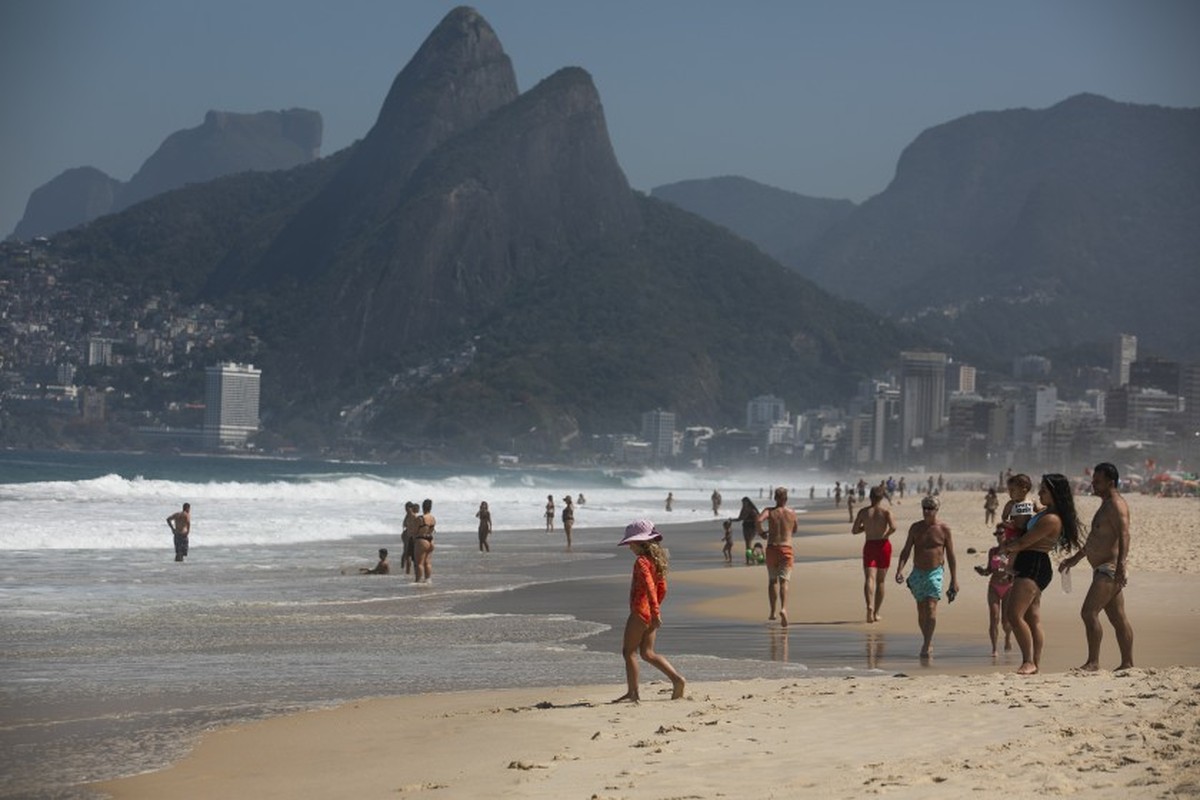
(815, 97)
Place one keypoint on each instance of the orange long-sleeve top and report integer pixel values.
(647, 591)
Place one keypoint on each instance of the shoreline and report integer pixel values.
(575, 740)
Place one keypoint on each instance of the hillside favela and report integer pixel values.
(89, 365)
(317, 442)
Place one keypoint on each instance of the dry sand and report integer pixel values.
(925, 732)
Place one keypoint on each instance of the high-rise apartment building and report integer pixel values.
(230, 404)
(885, 425)
(764, 411)
(922, 395)
(99, 352)
(1124, 354)
(658, 428)
(961, 379)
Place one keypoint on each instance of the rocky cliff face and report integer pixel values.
(461, 189)
(458, 76)
(508, 201)
(225, 144)
(74, 197)
(1009, 227)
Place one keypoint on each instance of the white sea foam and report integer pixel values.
(116, 512)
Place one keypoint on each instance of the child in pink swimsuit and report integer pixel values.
(997, 588)
(646, 593)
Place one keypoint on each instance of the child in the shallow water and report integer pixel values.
(727, 550)
(382, 568)
(646, 593)
(997, 588)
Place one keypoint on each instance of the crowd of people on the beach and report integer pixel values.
(1018, 567)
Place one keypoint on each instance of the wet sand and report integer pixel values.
(961, 723)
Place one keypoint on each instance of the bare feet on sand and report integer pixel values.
(1027, 669)
(783, 622)
(628, 697)
(677, 689)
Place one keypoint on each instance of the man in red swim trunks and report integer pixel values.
(877, 523)
(781, 524)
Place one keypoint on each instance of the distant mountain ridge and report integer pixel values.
(477, 271)
(1003, 230)
(226, 143)
(782, 223)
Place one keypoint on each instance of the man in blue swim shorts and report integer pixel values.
(931, 547)
(926, 584)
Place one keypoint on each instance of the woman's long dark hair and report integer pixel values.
(1064, 505)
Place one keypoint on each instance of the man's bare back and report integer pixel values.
(180, 522)
(875, 521)
(781, 523)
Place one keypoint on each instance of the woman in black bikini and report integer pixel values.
(1057, 526)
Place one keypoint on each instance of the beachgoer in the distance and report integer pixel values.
(412, 521)
(568, 518)
(901, 487)
(423, 547)
(781, 524)
(837, 493)
(670, 500)
(877, 524)
(997, 589)
(727, 538)
(850, 505)
(716, 502)
(1055, 526)
(932, 549)
(1106, 549)
(581, 500)
(646, 594)
(382, 568)
(180, 524)
(749, 519)
(549, 513)
(485, 527)
(990, 503)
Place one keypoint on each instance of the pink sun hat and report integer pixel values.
(640, 530)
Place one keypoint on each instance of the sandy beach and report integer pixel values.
(916, 730)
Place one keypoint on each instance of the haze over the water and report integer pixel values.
(814, 97)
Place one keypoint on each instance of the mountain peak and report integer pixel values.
(459, 75)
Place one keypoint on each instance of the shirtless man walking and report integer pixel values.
(876, 522)
(1106, 549)
(931, 547)
(781, 524)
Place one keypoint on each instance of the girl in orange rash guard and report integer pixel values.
(646, 593)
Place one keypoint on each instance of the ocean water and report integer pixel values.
(115, 657)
